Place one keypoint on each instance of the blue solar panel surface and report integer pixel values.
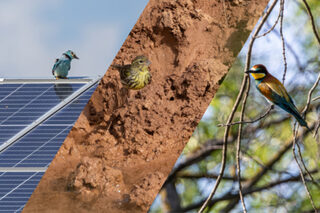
(37, 148)
(16, 188)
(20, 106)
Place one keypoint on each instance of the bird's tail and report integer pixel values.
(300, 119)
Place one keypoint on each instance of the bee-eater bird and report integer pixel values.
(135, 75)
(62, 66)
(274, 91)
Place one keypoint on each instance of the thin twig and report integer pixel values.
(239, 146)
(312, 21)
(225, 141)
(317, 81)
(268, 166)
(295, 131)
(304, 111)
(251, 182)
(254, 158)
(230, 196)
(282, 41)
(316, 129)
(305, 167)
(250, 122)
(234, 109)
(190, 175)
(273, 26)
(316, 98)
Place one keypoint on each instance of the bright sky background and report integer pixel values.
(35, 32)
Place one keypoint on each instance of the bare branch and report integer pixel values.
(172, 199)
(234, 109)
(316, 129)
(316, 98)
(305, 167)
(239, 146)
(304, 111)
(196, 157)
(267, 167)
(283, 42)
(272, 27)
(295, 132)
(250, 122)
(190, 175)
(231, 196)
(312, 21)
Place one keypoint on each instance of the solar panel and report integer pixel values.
(38, 148)
(69, 114)
(16, 188)
(22, 104)
(35, 118)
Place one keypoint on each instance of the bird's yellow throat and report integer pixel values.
(258, 75)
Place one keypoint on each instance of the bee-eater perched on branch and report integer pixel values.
(62, 66)
(135, 75)
(274, 91)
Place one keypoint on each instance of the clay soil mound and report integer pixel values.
(122, 148)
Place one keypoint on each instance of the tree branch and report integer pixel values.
(272, 27)
(239, 146)
(304, 111)
(282, 41)
(199, 156)
(295, 132)
(264, 170)
(234, 109)
(312, 21)
(189, 175)
(271, 107)
(231, 196)
(316, 98)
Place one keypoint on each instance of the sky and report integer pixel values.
(35, 32)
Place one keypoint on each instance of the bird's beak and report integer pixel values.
(76, 57)
(249, 71)
(148, 62)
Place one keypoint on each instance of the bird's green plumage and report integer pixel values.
(135, 75)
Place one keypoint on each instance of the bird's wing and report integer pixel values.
(56, 64)
(68, 65)
(273, 89)
(276, 86)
